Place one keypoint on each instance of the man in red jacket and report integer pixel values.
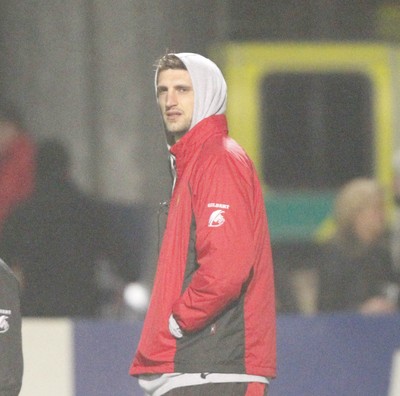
(210, 328)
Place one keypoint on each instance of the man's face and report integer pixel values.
(176, 100)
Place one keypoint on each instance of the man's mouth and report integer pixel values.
(172, 115)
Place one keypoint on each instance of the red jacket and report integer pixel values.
(215, 272)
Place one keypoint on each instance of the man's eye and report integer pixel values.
(183, 88)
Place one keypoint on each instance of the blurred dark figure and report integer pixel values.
(286, 301)
(56, 239)
(17, 152)
(11, 359)
(395, 231)
(357, 272)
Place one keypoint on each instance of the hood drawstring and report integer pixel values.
(173, 171)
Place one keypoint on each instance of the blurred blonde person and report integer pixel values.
(356, 269)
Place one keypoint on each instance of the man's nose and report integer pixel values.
(171, 99)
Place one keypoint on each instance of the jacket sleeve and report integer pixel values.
(222, 200)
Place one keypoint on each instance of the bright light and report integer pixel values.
(136, 296)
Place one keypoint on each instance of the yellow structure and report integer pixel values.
(246, 65)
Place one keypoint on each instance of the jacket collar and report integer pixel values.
(194, 139)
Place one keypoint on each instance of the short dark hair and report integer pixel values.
(170, 61)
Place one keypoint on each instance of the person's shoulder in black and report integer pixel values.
(11, 359)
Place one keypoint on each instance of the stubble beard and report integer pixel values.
(177, 133)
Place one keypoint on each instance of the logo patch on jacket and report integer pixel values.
(4, 325)
(216, 219)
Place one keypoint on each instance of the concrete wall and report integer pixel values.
(82, 70)
(43, 65)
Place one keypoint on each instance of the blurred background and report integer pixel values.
(313, 96)
(82, 71)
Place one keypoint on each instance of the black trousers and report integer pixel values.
(224, 389)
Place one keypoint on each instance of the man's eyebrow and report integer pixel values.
(177, 86)
(183, 86)
(161, 88)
